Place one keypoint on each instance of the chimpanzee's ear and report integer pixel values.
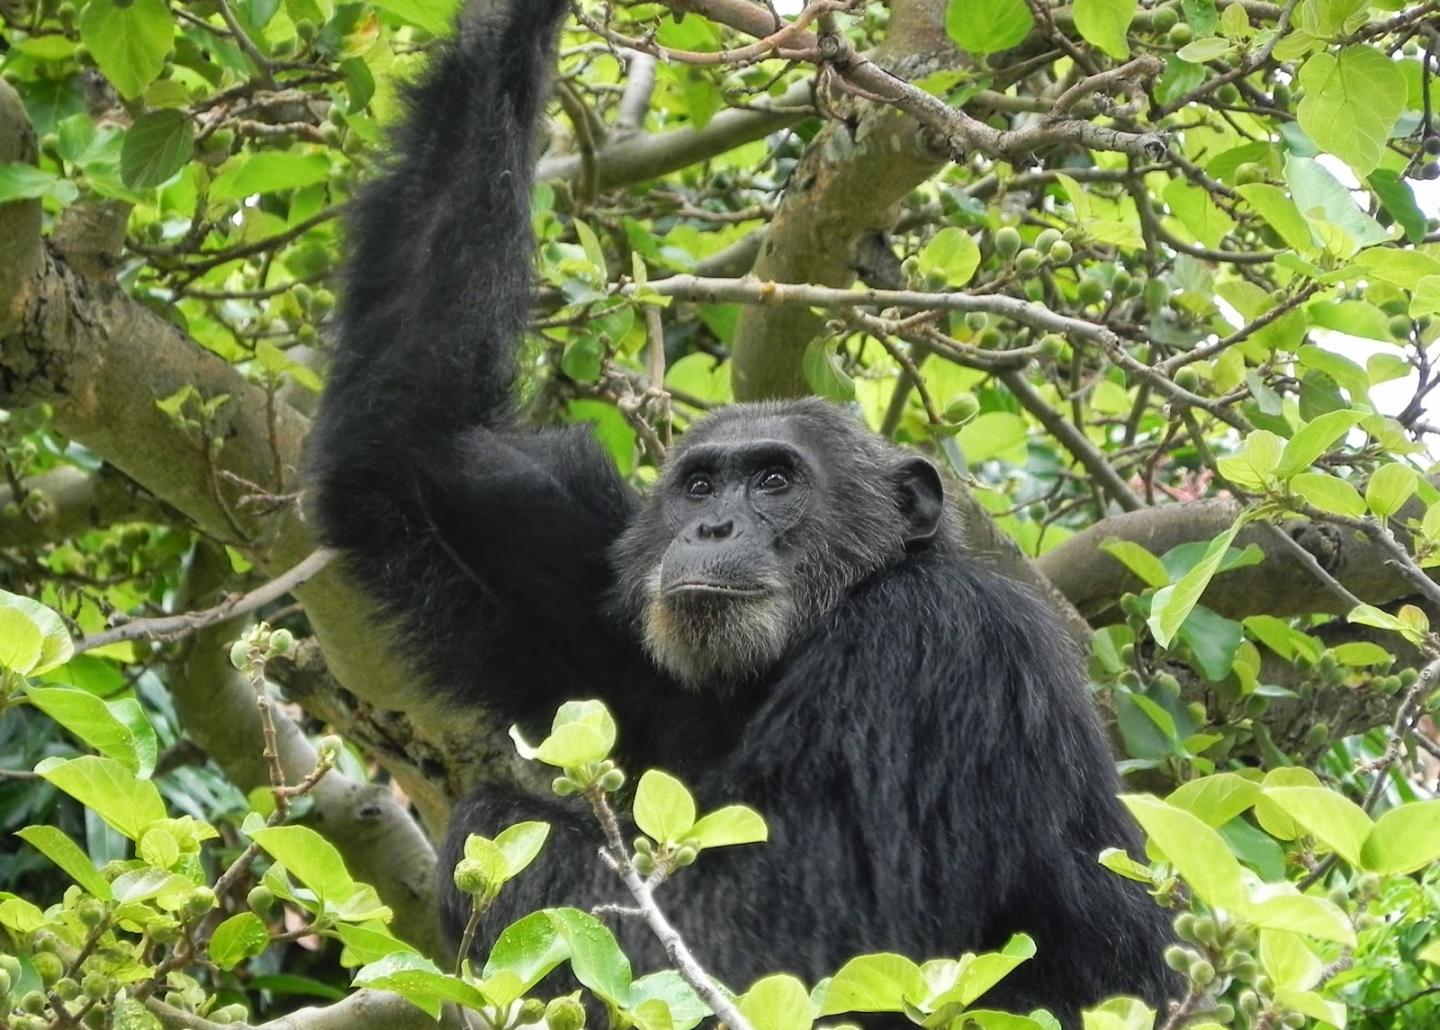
(921, 497)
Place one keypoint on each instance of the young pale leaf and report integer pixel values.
(1120, 1014)
(93, 721)
(114, 792)
(1314, 439)
(1288, 961)
(979, 973)
(873, 983)
(1334, 820)
(529, 948)
(1215, 800)
(1328, 493)
(1196, 851)
(823, 371)
(310, 858)
(1310, 1004)
(778, 1003)
(1138, 560)
(1105, 24)
(520, 844)
(1389, 488)
(1352, 100)
(491, 858)
(1404, 839)
(55, 646)
(951, 255)
(733, 824)
(595, 955)
(1254, 467)
(664, 809)
(1302, 914)
(1173, 603)
(129, 41)
(988, 26)
(64, 852)
(590, 243)
(240, 937)
(684, 1005)
(20, 642)
(420, 982)
(1211, 48)
(583, 732)
(1117, 861)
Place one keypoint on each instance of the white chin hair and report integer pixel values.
(720, 643)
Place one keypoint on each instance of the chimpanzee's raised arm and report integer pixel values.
(479, 539)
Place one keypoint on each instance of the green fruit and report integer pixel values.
(5, 983)
(532, 1010)
(281, 641)
(95, 985)
(1007, 241)
(200, 901)
(1202, 972)
(976, 320)
(1180, 34)
(612, 781)
(1061, 252)
(471, 877)
(1054, 346)
(66, 989)
(685, 856)
(644, 864)
(1122, 281)
(961, 409)
(1251, 172)
(1090, 290)
(1029, 260)
(1228, 94)
(990, 339)
(1047, 239)
(228, 1014)
(1178, 958)
(1280, 96)
(1187, 378)
(563, 786)
(565, 1014)
(1165, 19)
(261, 899)
(49, 966)
(33, 1002)
(91, 912)
(1399, 327)
(240, 653)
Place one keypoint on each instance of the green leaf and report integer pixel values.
(1351, 102)
(1138, 560)
(1302, 914)
(268, 171)
(1211, 48)
(1359, 653)
(995, 434)
(1322, 197)
(97, 724)
(951, 255)
(520, 844)
(873, 983)
(1281, 213)
(1254, 467)
(590, 243)
(130, 41)
(777, 1002)
(1105, 23)
(988, 26)
(1288, 961)
(1173, 603)
(1196, 851)
(1329, 493)
(240, 937)
(66, 854)
(595, 956)
(823, 371)
(156, 147)
(664, 809)
(1398, 199)
(1389, 488)
(26, 182)
(733, 824)
(434, 16)
(420, 982)
(1404, 839)
(1215, 800)
(529, 948)
(20, 641)
(127, 803)
(1314, 439)
(976, 974)
(310, 858)
(55, 646)
(685, 1007)
(1192, 205)
(1334, 820)
(583, 732)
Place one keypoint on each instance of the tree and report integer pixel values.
(1156, 283)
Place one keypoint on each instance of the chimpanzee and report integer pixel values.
(788, 619)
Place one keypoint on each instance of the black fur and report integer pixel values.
(924, 750)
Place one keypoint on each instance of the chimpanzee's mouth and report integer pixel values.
(705, 588)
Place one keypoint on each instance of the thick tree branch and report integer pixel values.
(71, 502)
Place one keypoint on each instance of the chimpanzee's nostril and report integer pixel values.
(716, 531)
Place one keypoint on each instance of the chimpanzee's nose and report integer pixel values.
(715, 530)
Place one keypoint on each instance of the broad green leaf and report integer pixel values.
(733, 824)
(26, 182)
(520, 844)
(1288, 960)
(1254, 467)
(995, 434)
(20, 641)
(1389, 488)
(1359, 653)
(1302, 914)
(1281, 213)
(978, 973)
(156, 147)
(1398, 199)
(1431, 952)
(1120, 1014)
(590, 243)
(1173, 603)
(686, 1008)
(267, 172)
(663, 807)
(1314, 439)
(1196, 851)
(1215, 800)
(130, 41)
(824, 372)
(951, 255)
(94, 722)
(1105, 23)
(420, 982)
(1328, 493)
(1351, 102)
(778, 1002)
(240, 937)
(1311, 1004)
(1426, 300)
(1138, 560)
(1404, 839)
(1320, 196)
(55, 646)
(988, 26)
(1334, 820)
(530, 948)
(310, 858)
(65, 853)
(583, 732)
(114, 792)
(1210, 48)
(1192, 205)
(595, 956)
(434, 16)
(873, 983)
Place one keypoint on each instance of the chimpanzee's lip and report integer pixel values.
(707, 588)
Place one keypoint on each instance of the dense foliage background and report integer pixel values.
(1158, 283)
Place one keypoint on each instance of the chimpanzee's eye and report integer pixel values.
(699, 485)
(773, 480)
